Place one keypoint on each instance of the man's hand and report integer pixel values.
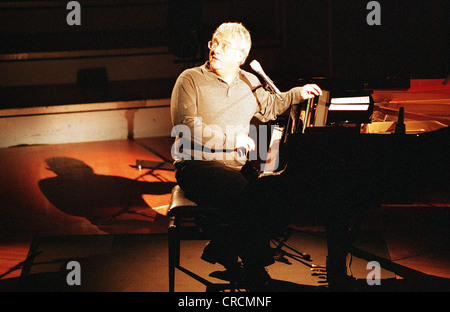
(309, 91)
(246, 142)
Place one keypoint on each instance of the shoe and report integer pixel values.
(256, 279)
(216, 253)
(232, 274)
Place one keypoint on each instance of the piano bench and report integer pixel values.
(187, 222)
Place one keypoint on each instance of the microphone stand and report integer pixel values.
(273, 91)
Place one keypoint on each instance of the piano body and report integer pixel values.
(358, 148)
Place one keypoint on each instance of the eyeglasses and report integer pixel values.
(225, 46)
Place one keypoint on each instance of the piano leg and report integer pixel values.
(338, 245)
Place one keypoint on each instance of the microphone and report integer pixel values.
(257, 68)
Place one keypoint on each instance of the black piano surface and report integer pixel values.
(382, 168)
(347, 172)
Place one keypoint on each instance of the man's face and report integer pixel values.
(224, 55)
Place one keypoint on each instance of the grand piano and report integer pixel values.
(361, 146)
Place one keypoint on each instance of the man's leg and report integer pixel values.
(213, 185)
(209, 183)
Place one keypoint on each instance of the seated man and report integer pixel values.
(211, 109)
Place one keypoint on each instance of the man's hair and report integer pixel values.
(238, 33)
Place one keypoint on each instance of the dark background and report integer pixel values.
(308, 38)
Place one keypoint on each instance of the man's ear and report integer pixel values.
(243, 58)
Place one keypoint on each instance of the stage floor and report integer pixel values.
(78, 200)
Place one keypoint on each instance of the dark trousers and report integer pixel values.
(257, 208)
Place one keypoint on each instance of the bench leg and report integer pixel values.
(174, 256)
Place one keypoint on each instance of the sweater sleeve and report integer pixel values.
(270, 106)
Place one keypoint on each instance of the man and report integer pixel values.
(211, 109)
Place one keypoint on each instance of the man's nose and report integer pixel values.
(215, 51)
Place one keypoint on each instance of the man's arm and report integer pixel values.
(270, 106)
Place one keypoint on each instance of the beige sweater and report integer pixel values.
(208, 114)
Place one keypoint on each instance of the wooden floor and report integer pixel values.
(96, 188)
(76, 189)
